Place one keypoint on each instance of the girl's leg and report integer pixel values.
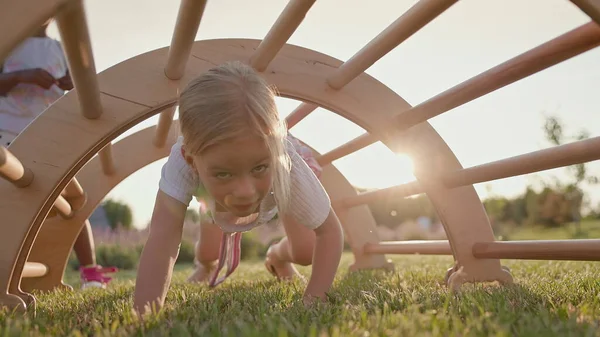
(296, 247)
(206, 251)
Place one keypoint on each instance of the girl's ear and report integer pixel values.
(188, 158)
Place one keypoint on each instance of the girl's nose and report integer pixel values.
(245, 189)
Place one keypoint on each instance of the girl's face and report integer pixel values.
(236, 173)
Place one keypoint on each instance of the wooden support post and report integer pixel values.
(286, 24)
(186, 28)
(12, 170)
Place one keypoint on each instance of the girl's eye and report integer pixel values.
(222, 175)
(260, 168)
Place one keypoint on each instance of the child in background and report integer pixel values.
(32, 77)
(235, 153)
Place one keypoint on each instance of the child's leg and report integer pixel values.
(296, 247)
(91, 274)
(206, 251)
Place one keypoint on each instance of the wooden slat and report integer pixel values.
(186, 27)
(13, 170)
(286, 24)
(573, 250)
(404, 27)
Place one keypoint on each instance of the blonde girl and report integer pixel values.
(235, 153)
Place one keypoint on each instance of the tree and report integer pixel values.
(572, 193)
(118, 214)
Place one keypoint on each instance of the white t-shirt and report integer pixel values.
(309, 202)
(27, 101)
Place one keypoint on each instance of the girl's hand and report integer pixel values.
(309, 300)
(65, 82)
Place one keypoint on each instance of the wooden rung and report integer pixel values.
(164, 125)
(73, 28)
(299, 114)
(75, 195)
(404, 27)
(398, 191)
(286, 24)
(186, 27)
(424, 247)
(62, 207)
(34, 269)
(106, 159)
(13, 170)
(574, 250)
(563, 155)
(589, 7)
(354, 145)
(557, 50)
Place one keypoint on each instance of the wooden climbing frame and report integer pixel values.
(50, 188)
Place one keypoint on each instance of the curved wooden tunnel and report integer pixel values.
(60, 144)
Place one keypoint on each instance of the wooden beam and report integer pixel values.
(559, 156)
(299, 114)
(404, 27)
(186, 27)
(573, 250)
(286, 24)
(343, 150)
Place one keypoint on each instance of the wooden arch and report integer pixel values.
(40, 166)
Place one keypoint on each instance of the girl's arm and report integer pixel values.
(36, 76)
(159, 254)
(327, 253)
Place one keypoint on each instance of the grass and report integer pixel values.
(548, 299)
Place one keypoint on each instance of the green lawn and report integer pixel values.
(549, 299)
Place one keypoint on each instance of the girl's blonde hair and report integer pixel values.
(232, 100)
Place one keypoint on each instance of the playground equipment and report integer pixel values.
(53, 180)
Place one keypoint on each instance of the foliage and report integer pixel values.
(118, 214)
(550, 298)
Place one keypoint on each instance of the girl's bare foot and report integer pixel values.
(282, 270)
(202, 272)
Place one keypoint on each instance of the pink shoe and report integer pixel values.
(94, 276)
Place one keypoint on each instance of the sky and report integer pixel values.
(469, 38)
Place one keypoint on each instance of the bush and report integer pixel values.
(125, 258)
(186, 252)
